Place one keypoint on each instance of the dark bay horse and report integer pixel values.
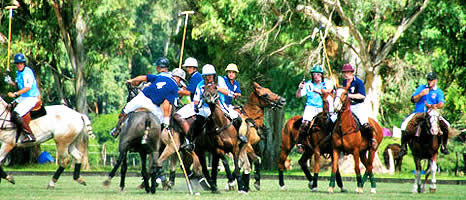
(347, 138)
(426, 147)
(220, 137)
(132, 131)
(316, 143)
(398, 158)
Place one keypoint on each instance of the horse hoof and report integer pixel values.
(309, 185)
(10, 179)
(81, 181)
(122, 189)
(330, 190)
(243, 192)
(343, 190)
(106, 183)
(215, 192)
(51, 185)
(314, 189)
(257, 185)
(373, 191)
(283, 188)
(359, 190)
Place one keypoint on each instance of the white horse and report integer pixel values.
(69, 129)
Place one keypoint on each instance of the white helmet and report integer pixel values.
(208, 69)
(190, 62)
(179, 73)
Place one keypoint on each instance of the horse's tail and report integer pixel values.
(83, 139)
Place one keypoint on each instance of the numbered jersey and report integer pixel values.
(161, 88)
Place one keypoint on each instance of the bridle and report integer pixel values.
(5, 119)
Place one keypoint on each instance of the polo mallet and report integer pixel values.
(181, 162)
(9, 35)
(186, 13)
(326, 57)
(313, 36)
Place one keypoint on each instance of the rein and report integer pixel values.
(6, 110)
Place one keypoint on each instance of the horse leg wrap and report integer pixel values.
(281, 182)
(359, 180)
(58, 173)
(372, 179)
(332, 180)
(77, 171)
(314, 181)
(2, 173)
(364, 177)
(246, 182)
(172, 177)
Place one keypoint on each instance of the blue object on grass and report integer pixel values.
(45, 157)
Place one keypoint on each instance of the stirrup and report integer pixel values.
(28, 139)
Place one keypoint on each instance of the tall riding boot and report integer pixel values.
(404, 143)
(237, 124)
(116, 131)
(22, 124)
(303, 129)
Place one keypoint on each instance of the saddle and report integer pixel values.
(38, 110)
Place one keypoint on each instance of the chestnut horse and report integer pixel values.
(426, 147)
(347, 138)
(316, 143)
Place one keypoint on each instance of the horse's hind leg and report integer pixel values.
(173, 164)
(214, 172)
(339, 181)
(144, 171)
(255, 157)
(64, 161)
(358, 171)
(4, 150)
(124, 168)
(115, 168)
(77, 155)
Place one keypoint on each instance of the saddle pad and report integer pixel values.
(38, 113)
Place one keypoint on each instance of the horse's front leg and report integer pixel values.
(4, 150)
(303, 163)
(417, 179)
(214, 170)
(433, 169)
(112, 173)
(231, 180)
(335, 157)
(205, 171)
(368, 163)
(124, 168)
(257, 165)
(357, 170)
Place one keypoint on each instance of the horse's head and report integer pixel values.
(267, 98)
(210, 95)
(341, 98)
(325, 99)
(432, 117)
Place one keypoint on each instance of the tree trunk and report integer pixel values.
(373, 85)
(274, 123)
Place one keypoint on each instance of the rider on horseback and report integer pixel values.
(158, 97)
(314, 103)
(232, 84)
(357, 94)
(29, 95)
(425, 94)
(195, 77)
(201, 110)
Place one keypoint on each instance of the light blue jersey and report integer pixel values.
(26, 78)
(313, 98)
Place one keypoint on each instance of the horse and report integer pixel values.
(136, 125)
(426, 147)
(69, 129)
(220, 137)
(347, 138)
(316, 143)
(252, 115)
(395, 150)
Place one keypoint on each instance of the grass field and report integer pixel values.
(34, 187)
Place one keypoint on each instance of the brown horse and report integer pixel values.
(395, 150)
(316, 142)
(426, 147)
(347, 138)
(220, 137)
(253, 122)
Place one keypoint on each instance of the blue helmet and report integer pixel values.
(19, 58)
(161, 62)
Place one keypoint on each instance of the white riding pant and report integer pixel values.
(188, 111)
(25, 104)
(141, 101)
(361, 112)
(310, 112)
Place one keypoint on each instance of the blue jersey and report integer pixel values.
(26, 78)
(195, 79)
(313, 98)
(233, 88)
(357, 86)
(434, 96)
(161, 88)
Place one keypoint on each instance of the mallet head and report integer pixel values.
(186, 13)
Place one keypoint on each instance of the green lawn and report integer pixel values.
(34, 187)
